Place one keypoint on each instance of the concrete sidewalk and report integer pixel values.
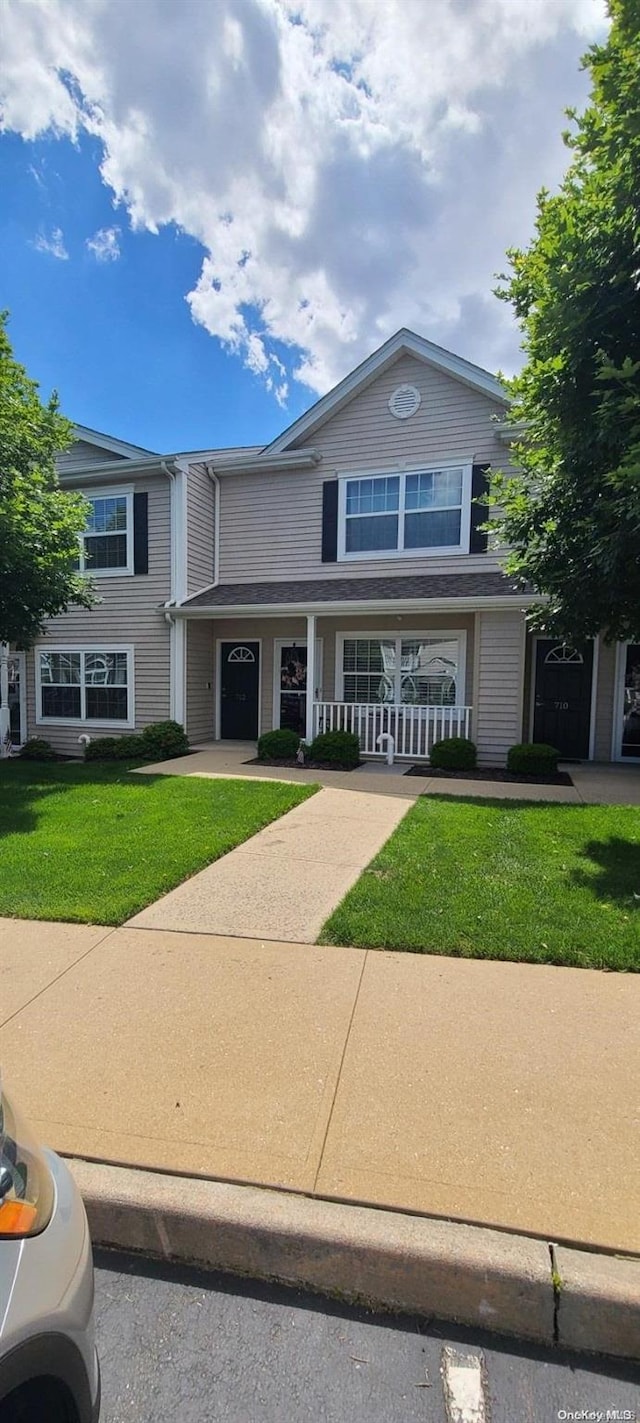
(285, 881)
(492, 1093)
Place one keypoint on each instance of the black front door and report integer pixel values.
(239, 681)
(562, 712)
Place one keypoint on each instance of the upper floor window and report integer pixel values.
(107, 543)
(420, 511)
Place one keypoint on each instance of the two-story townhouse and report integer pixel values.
(351, 545)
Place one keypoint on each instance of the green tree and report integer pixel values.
(572, 516)
(39, 522)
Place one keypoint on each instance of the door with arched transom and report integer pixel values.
(239, 690)
(562, 701)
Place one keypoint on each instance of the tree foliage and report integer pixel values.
(39, 522)
(572, 517)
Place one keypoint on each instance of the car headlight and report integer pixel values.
(26, 1183)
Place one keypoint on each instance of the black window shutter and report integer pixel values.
(479, 512)
(141, 533)
(330, 521)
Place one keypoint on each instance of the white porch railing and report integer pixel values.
(414, 728)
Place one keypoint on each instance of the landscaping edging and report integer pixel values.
(509, 1284)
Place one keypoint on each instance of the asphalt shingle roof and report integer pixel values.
(356, 590)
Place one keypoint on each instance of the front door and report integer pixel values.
(239, 684)
(17, 698)
(290, 683)
(562, 714)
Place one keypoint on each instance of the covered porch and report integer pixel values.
(399, 682)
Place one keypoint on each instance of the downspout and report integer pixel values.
(216, 524)
(176, 632)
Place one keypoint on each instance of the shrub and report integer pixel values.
(164, 739)
(278, 745)
(37, 749)
(454, 754)
(102, 748)
(131, 748)
(533, 758)
(336, 748)
(116, 748)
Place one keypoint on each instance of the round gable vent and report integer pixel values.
(404, 401)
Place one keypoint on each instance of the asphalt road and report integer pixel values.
(179, 1346)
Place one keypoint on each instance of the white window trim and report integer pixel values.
(447, 634)
(375, 555)
(87, 722)
(115, 492)
(618, 706)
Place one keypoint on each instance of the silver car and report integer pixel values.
(48, 1363)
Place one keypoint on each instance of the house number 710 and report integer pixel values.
(561, 706)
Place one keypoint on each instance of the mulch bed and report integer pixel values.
(492, 773)
(296, 765)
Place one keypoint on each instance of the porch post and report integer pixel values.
(311, 673)
(5, 718)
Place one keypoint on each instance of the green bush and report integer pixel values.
(278, 745)
(37, 749)
(453, 754)
(163, 740)
(533, 758)
(131, 748)
(102, 748)
(336, 748)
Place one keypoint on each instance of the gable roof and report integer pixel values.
(404, 342)
(107, 442)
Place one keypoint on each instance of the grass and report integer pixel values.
(95, 844)
(537, 883)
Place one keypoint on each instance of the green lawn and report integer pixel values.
(95, 844)
(503, 880)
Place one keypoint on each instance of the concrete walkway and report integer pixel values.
(593, 783)
(497, 1093)
(286, 880)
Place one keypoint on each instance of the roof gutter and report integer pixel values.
(97, 473)
(389, 605)
(290, 459)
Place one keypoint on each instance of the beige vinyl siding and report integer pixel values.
(130, 613)
(200, 528)
(605, 694)
(82, 453)
(270, 629)
(497, 718)
(200, 681)
(271, 524)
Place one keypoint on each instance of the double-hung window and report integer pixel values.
(106, 547)
(92, 685)
(422, 669)
(423, 511)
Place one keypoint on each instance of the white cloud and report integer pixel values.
(104, 244)
(53, 244)
(348, 168)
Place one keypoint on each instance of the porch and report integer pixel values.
(397, 681)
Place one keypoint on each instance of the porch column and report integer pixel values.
(311, 673)
(5, 718)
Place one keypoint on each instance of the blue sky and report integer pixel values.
(210, 214)
(116, 338)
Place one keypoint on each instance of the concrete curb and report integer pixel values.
(383, 1259)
